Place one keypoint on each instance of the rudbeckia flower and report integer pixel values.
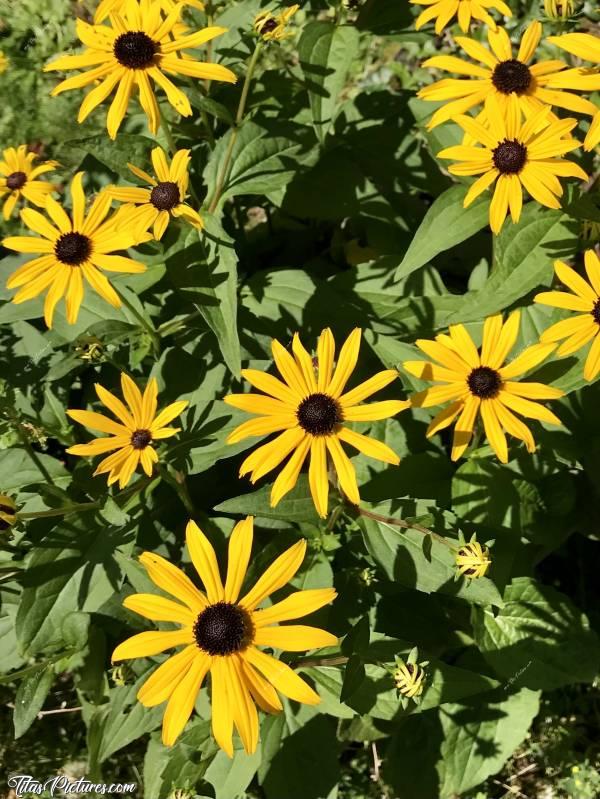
(221, 635)
(502, 76)
(107, 7)
(515, 157)
(166, 194)
(18, 179)
(312, 408)
(587, 47)
(3, 62)
(472, 559)
(136, 50)
(138, 426)
(272, 27)
(445, 10)
(73, 250)
(583, 298)
(476, 383)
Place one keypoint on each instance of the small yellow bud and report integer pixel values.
(8, 512)
(272, 27)
(560, 9)
(472, 559)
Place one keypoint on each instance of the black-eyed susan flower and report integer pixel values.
(309, 410)
(73, 250)
(132, 436)
(472, 559)
(409, 677)
(3, 62)
(582, 327)
(221, 634)
(8, 512)
(166, 195)
(587, 47)
(476, 384)
(135, 51)
(274, 27)
(444, 11)
(501, 75)
(18, 179)
(107, 7)
(515, 156)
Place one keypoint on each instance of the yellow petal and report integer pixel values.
(205, 561)
(151, 643)
(294, 638)
(240, 547)
(278, 574)
(182, 700)
(281, 676)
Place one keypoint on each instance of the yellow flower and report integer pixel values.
(560, 9)
(134, 51)
(475, 382)
(18, 179)
(584, 326)
(3, 62)
(73, 250)
(587, 47)
(501, 76)
(410, 677)
(107, 7)
(166, 196)
(445, 10)
(473, 560)
(222, 634)
(515, 156)
(8, 512)
(132, 436)
(270, 27)
(310, 406)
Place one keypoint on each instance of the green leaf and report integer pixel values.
(74, 571)
(297, 506)
(182, 766)
(119, 722)
(18, 469)
(538, 639)
(231, 776)
(115, 155)
(263, 160)
(326, 53)
(438, 756)
(401, 555)
(446, 224)
(205, 271)
(523, 261)
(30, 698)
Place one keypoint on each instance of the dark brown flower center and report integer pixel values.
(165, 196)
(223, 628)
(140, 439)
(596, 312)
(511, 76)
(135, 50)
(510, 156)
(269, 25)
(484, 382)
(16, 181)
(73, 248)
(319, 414)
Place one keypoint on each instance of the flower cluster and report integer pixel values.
(516, 141)
(506, 102)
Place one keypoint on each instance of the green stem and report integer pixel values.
(234, 131)
(177, 482)
(331, 660)
(46, 514)
(27, 444)
(167, 131)
(168, 328)
(143, 322)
